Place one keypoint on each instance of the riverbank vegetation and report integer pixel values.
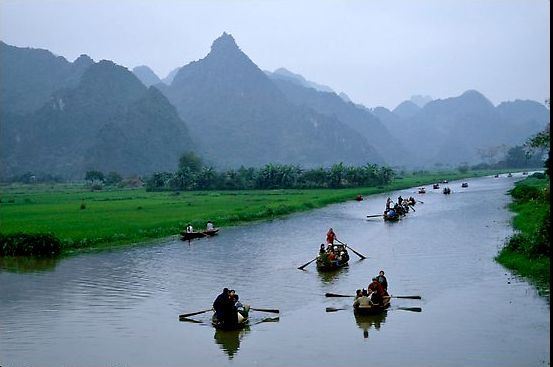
(527, 252)
(84, 219)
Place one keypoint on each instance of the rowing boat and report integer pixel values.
(188, 236)
(325, 264)
(391, 217)
(234, 326)
(436, 186)
(373, 309)
(465, 184)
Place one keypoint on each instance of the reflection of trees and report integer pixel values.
(26, 264)
(229, 340)
(365, 322)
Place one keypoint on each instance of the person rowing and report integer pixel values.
(378, 292)
(330, 237)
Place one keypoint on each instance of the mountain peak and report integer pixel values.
(224, 43)
(83, 60)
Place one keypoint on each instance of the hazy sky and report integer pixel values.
(378, 52)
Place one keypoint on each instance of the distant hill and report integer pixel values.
(29, 76)
(286, 74)
(239, 116)
(169, 78)
(420, 100)
(146, 75)
(459, 129)
(108, 121)
(360, 120)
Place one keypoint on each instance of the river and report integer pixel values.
(121, 307)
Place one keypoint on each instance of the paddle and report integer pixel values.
(374, 216)
(264, 310)
(412, 208)
(194, 313)
(355, 252)
(304, 265)
(422, 202)
(412, 309)
(268, 319)
(344, 295)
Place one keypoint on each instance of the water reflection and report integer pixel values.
(366, 322)
(329, 277)
(229, 340)
(26, 264)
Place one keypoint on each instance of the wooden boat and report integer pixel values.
(211, 232)
(221, 326)
(436, 186)
(422, 190)
(391, 217)
(510, 174)
(188, 236)
(496, 176)
(465, 185)
(444, 181)
(359, 198)
(371, 310)
(524, 173)
(324, 264)
(447, 191)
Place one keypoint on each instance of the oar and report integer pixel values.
(412, 309)
(265, 310)
(336, 295)
(304, 265)
(407, 297)
(194, 313)
(184, 319)
(374, 216)
(422, 202)
(356, 253)
(268, 319)
(412, 208)
(332, 309)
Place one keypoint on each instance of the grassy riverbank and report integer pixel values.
(527, 252)
(86, 220)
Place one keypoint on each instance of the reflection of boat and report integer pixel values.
(372, 310)
(328, 277)
(465, 184)
(187, 236)
(342, 257)
(229, 340)
(223, 326)
(365, 322)
(436, 186)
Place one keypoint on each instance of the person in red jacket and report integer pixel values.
(330, 236)
(378, 291)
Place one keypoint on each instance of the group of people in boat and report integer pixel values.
(401, 207)
(375, 294)
(331, 253)
(209, 227)
(229, 311)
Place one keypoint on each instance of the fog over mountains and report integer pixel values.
(65, 118)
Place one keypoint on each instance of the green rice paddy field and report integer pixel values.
(86, 220)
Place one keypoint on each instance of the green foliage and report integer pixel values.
(113, 178)
(191, 162)
(464, 168)
(24, 244)
(92, 176)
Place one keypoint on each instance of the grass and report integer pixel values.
(86, 220)
(525, 252)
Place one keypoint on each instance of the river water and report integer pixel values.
(120, 308)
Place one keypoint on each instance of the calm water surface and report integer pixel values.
(121, 308)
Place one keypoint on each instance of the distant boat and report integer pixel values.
(510, 174)
(422, 190)
(436, 186)
(465, 184)
(447, 191)
(188, 236)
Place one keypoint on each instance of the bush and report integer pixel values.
(23, 244)
(526, 193)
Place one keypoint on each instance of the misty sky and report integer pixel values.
(378, 52)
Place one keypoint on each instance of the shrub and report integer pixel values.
(24, 244)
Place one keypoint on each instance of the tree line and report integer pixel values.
(192, 174)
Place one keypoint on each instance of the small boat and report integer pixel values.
(444, 181)
(436, 186)
(422, 190)
(496, 176)
(391, 216)
(447, 191)
(325, 264)
(465, 185)
(211, 232)
(188, 236)
(235, 326)
(510, 174)
(524, 173)
(371, 310)
(359, 198)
